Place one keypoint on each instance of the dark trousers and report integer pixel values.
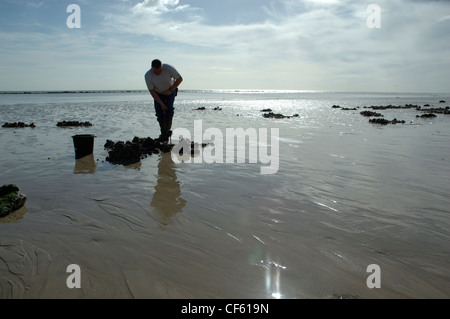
(168, 101)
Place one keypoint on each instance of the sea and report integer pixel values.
(344, 209)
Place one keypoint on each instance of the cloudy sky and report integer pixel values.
(227, 44)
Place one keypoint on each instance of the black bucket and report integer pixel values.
(84, 145)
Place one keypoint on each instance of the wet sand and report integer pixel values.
(348, 194)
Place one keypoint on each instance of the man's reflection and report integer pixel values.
(167, 201)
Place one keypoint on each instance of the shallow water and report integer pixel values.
(347, 194)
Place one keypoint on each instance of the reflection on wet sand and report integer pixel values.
(15, 216)
(85, 165)
(167, 200)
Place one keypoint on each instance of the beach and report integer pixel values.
(347, 194)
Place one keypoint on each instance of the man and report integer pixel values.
(162, 81)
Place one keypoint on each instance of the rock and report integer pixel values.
(273, 115)
(278, 116)
(109, 144)
(386, 122)
(335, 107)
(349, 109)
(395, 121)
(18, 125)
(217, 109)
(200, 109)
(121, 153)
(426, 105)
(191, 148)
(379, 121)
(441, 101)
(10, 199)
(438, 110)
(266, 110)
(73, 124)
(427, 115)
(370, 113)
(124, 153)
(6, 189)
(406, 106)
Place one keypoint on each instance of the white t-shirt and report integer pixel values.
(161, 83)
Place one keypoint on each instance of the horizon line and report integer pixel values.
(204, 90)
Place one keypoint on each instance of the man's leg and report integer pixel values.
(160, 116)
(167, 133)
(167, 128)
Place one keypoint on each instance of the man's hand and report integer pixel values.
(167, 93)
(157, 99)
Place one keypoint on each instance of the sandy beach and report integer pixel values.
(347, 194)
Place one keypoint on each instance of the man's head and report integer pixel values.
(157, 66)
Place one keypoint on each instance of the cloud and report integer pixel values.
(34, 4)
(290, 44)
(445, 18)
(318, 40)
(159, 6)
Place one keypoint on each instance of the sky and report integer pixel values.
(227, 44)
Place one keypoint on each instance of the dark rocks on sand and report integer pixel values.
(269, 114)
(345, 108)
(430, 112)
(18, 125)
(127, 153)
(124, 153)
(187, 147)
(427, 115)
(73, 124)
(151, 146)
(204, 109)
(386, 122)
(10, 199)
(278, 116)
(438, 110)
(394, 107)
(379, 121)
(370, 113)
(441, 101)
(395, 121)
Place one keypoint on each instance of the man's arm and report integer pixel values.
(157, 99)
(176, 84)
(152, 91)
